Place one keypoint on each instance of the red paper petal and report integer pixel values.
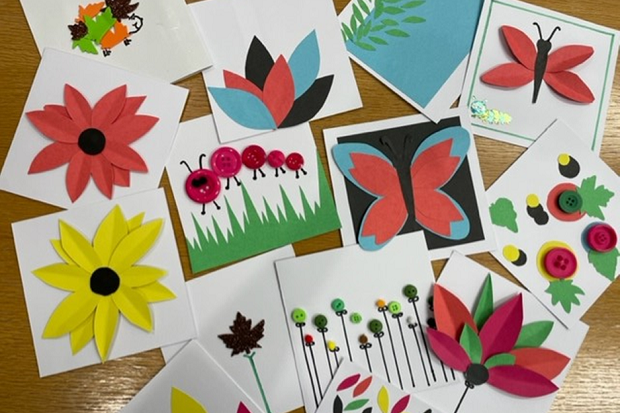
(568, 57)
(279, 90)
(109, 107)
(520, 45)
(508, 75)
(448, 350)
(58, 109)
(122, 156)
(546, 362)
(52, 156)
(501, 331)
(570, 86)
(78, 107)
(234, 81)
(242, 408)
(128, 129)
(132, 104)
(436, 211)
(103, 174)
(451, 315)
(55, 126)
(521, 382)
(348, 382)
(78, 175)
(121, 177)
(362, 386)
(401, 405)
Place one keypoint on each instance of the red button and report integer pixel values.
(203, 186)
(253, 156)
(602, 238)
(276, 158)
(561, 263)
(295, 161)
(226, 162)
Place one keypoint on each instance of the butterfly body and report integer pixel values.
(543, 47)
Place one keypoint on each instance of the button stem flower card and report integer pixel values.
(102, 282)
(512, 352)
(91, 132)
(240, 322)
(278, 63)
(418, 48)
(156, 37)
(192, 383)
(250, 196)
(530, 66)
(556, 215)
(409, 174)
(368, 307)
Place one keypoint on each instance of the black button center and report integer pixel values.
(104, 281)
(477, 374)
(92, 141)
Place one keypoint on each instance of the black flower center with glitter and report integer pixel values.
(92, 141)
(104, 281)
(477, 374)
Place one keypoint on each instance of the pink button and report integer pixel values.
(561, 263)
(276, 158)
(203, 186)
(602, 237)
(253, 156)
(295, 161)
(226, 162)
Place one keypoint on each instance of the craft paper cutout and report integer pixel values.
(538, 66)
(479, 110)
(183, 403)
(550, 225)
(409, 174)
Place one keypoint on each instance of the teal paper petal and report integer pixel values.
(304, 63)
(243, 107)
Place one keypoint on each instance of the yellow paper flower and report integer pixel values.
(184, 403)
(105, 280)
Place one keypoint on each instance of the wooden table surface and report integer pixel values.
(593, 384)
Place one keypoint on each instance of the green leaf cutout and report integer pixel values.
(534, 334)
(378, 12)
(364, 6)
(355, 404)
(503, 359)
(397, 33)
(565, 293)
(97, 28)
(389, 22)
(414, 19)
(353, 24)
(365, 46)
(484, 308)
(86, 45)
(358, 14)
(503, 214)
(393, 10)
(594, 197)
(471, 343)
(413, 4)
(605, 263)
(347, 31)
(377, 40)
(378, 28)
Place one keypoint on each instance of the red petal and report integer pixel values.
(570, 86)
(55, 126)
(348, 382)
(122, 156)
(242, 408)
(568, 57)
(78, 175)
(132, 104)
(109, 107)
(520, 45)
(234, 81)
(508, 75)
(128, 129)
(519, 381)
(78, 107)
(362, 386)
(501, 331)
(448, 350)
(121, 177)
(401, 405)
(53, 156)
(451, 315)
(279, 90)
(59, 109)
(103, 174)
(546, 362)
(436, 211)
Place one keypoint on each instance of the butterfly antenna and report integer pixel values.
(557, 29)
(387, 143)
(202, 155)
(539, 31)
(188, 168)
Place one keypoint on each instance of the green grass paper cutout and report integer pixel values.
(503, 359)
(484, 309)
(605, 263)
(503, 214)
(594, 197)
(471, 343)
(565, 293)
(534, 334)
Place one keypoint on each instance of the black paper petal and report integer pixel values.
(258, 64)
(308, 105)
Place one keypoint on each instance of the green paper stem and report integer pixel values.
(258, 382)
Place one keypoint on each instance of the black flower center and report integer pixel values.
(477, 374)
(104, 281)
(91, 141)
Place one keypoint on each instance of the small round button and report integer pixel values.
(203, 186)
(363, 339)
(299, 315)
(331, 345)
(337, 305)
(309, 339)
(253, 157)
(356, 318)
(226, 162)
(570, 201)
(410, 291)
(295, 161)
(380, 303)
(320, 321)
(375, 326)
(560, 263)
(394, 307)
(276, 158)
(602, 237)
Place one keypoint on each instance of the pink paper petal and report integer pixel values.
(501, 331)
(448, 350)
(130, 128)
(401, 405)
(109, 107)
(59, 109)
(78, 107)
(348, 382)
(242, 408)
(451, 315)
(520, 381)
(132, 104)
(52, 156)
(78, 175)
(122, 156)
(121, 177)
(55, 126)
(546, 362)
(103, 174)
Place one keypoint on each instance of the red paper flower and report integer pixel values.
(93, 141)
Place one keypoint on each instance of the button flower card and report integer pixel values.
(417, 48)
(511, 351)
(367, 307)
(277, 64)
(156, 37)
(102, 282)
(91, 132)
(408, 174)
(192, 383)
(249, 196)
(556, 214)
(530, 66)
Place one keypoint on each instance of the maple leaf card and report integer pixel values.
(157, 38)
(556, 216)
(102, 282)
(277, 64)
(511, 351)
(191, 383)
(530, 66)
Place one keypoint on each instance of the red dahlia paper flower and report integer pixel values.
(94, 141)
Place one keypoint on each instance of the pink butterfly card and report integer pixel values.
(530, 66)
(409, 174)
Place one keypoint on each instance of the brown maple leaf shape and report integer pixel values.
(121, 9)
(78, 30)
(244, 337)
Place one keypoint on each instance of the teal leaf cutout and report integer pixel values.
(304, 63)
(503, 214)
(565, 293)
(503, 359)
(594, 197)
(484, 308)
(534, 334)
(471, 344)
(605, 263)
(243, 108)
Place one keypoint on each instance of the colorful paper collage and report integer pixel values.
(276, 64)
(531, 222)
(341, 305)
(408, 174)
(530, 66)
(102, 282)
(273, 183)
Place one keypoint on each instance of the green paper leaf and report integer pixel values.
(378, 9)
(86, 45)
(389, 22)
(471, 343)
(397, 33)
(97, 28)
(393, 10)
(534, 334)
(414, 19)
(367, 27)
(347, 31)
(503, 214)
(356, 404)
(605, 263)
(594, 197)
(484, 308)
(353, 24)
(358, 14)
(413, 4)
(565, 293)
(392, 1)
(378, 28)
(503, 359)
(365, 46)
(364, 6)
(377, 40)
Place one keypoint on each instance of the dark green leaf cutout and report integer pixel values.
(414, 19)
(605, 263)
(413, 4)
(484, 309)
(534, 334)
(471, 343)
(503, 214)
(377, 40)
(389, 22)
(393, 10)
(397, 33)
(565, 293)
(503, 359)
